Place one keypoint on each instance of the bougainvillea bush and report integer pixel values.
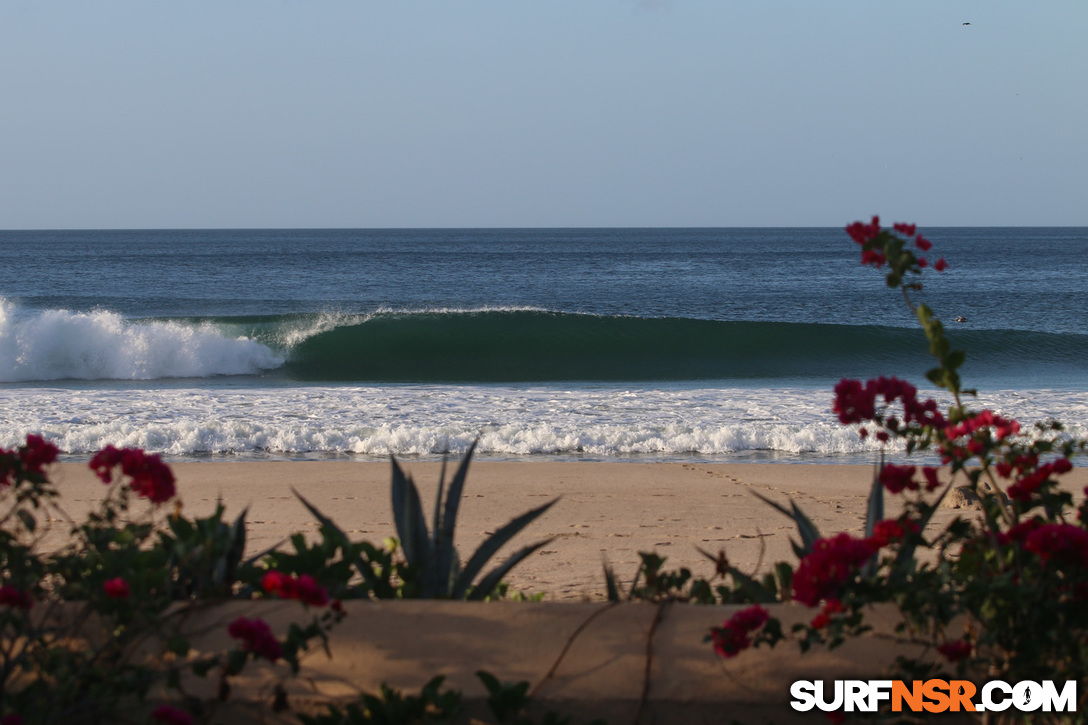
(1001, 594)
(91, 626)
(94, 624)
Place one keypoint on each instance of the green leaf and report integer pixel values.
(443, 566)
(954, 359)
(345, 543)
(489, 582)
(493, 543)
(408, 517)
(874, 514)
(755, 591)
(611, 585)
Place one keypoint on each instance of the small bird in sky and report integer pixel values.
(967, 23)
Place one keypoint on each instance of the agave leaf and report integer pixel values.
(906, 552)
(492, 545)
(345, 543)
(437, 523)
(408, 517)
(808, 531)
(489, 582)
(874, 514)
(263, 553)
(611, 586)
(433, 581)
(237, 546)
(444, 551)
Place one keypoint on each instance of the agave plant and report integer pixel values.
(432, 554)
(432, 568)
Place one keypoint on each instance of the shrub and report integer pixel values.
(1001, 595)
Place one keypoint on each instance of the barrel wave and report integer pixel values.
(525, 346)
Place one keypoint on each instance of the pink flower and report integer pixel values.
(116, 588)
(171, 715)
(16, 598)
(256, 637)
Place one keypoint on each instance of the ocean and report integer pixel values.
(707, 345)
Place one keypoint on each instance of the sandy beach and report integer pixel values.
(605, 511)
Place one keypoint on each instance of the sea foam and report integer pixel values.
(543, 422)
(38, 345)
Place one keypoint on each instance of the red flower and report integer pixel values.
(150, 477)
(256, 637)
(103, 462)
(862, 233)
(822, 573)
(1029, 483)
(12, 597)
(305, 588)
(1019, 532)
(887, 532)
(116, 588)
(897, 478)
(11, 719)
(905, 229)
(821, 620)
(956, 650)
(732, 637)
(922, 243)
(1059, 543)
(171, 715)
(940, 265)
(37, 453)
(873, 257)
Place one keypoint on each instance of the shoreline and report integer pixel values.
(604, 512)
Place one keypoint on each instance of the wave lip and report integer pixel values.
(101, 345)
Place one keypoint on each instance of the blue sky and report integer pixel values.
(435, 113)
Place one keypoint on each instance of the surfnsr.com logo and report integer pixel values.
(933, 696)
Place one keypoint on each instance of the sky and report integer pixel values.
(541, 113)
